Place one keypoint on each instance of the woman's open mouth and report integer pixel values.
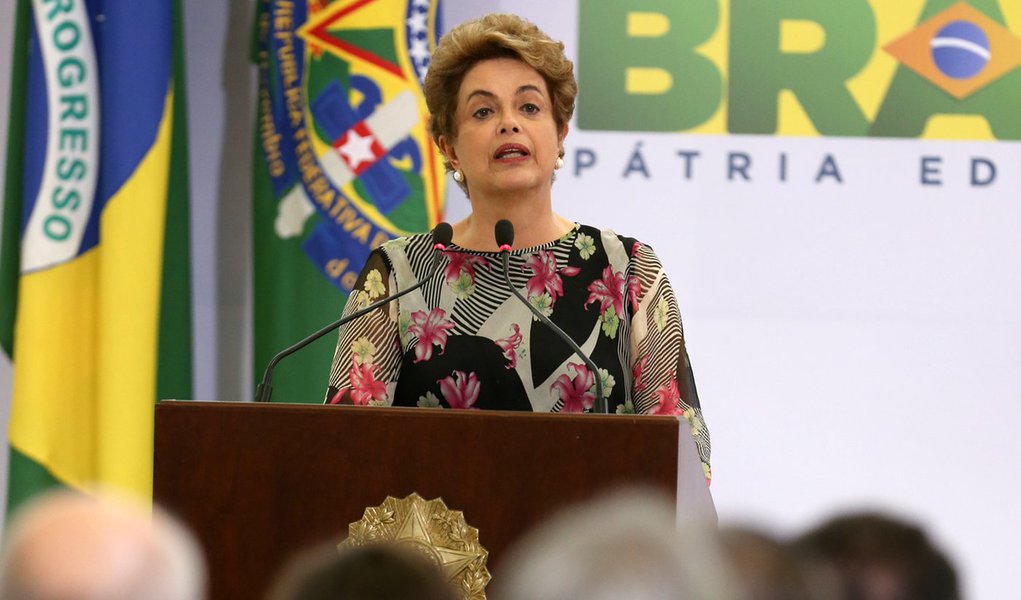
(511, 152)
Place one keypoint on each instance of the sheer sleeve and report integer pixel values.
(368, 355)
(662, 381)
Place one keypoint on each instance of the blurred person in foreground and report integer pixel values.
(377, 572)
(70, 546)
(770, 570)
(500, 94)
(879, 557)
(625, 545)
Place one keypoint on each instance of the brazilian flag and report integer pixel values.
(94, 268)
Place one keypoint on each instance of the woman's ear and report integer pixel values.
(562, 135)
(447, 149)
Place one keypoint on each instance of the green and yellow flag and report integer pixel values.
(343, 162)
(94, 269)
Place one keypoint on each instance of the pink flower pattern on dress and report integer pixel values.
(608, 291)
(545, 276)
(636, 374)
(668, 396)
(364, 385)
(510, 344)
(430, 329)
(463, 262)
(575, 391)
(460, 390)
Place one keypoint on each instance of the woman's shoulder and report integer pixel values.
(408, 244)
(408, 256)
(613, 242)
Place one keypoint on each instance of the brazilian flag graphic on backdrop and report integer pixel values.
(94, 269)
(343, 163)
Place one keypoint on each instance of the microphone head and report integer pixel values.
(504, 234)
(443, 234)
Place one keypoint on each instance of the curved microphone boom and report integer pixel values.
(442, 234)
(504, 232)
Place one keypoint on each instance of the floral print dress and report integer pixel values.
(464, 341)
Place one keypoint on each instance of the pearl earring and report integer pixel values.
(559, 164)
(458, 176)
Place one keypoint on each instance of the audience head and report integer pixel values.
(879, 557)
(70, 546)
(626, 545)
(770, 570)
(377, 572)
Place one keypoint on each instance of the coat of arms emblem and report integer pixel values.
(343, 125)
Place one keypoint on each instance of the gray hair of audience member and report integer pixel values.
(882, 557)
(72, 546)
(624, 545)
(770, 570)
(374, 572)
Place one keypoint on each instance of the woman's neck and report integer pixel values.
(534, 221)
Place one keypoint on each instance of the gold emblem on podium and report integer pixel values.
(434, 532)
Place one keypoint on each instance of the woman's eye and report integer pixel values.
(530, 108)
(482, 113)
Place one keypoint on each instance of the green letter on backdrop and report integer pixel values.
(759, 70)
(637, 67)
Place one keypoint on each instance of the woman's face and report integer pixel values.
(507, 138)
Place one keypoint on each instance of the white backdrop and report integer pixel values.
(851, 348)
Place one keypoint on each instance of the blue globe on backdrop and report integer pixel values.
(960, 49)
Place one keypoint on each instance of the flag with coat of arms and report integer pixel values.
(343, 162)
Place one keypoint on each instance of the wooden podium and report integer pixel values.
(258, 482)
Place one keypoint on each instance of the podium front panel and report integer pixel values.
(259, 482)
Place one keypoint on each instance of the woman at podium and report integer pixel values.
(501, 94)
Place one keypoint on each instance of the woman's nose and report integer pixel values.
(509, 125)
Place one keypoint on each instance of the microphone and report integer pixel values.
(504, 235)
(442, 234)
(504, 232)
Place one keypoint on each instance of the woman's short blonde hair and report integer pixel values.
(495, 36)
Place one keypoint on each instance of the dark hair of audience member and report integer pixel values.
(376, 572)
(879, 557)
(769, 570)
